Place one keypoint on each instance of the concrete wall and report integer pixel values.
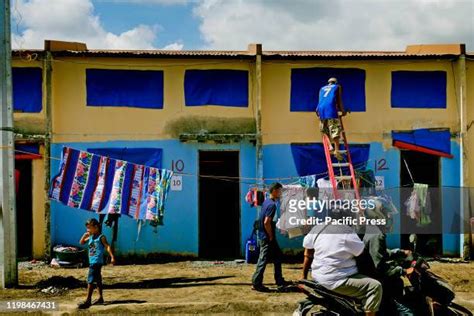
(39, 198)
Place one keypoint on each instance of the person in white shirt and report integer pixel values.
(333, 250)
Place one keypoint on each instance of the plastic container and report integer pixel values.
(252, 251)
(69, 255)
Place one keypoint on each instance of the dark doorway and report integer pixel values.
(24, 209)
(219, 205)
(425, 169)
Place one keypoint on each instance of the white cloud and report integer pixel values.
(174, 46)
(335, 24)
(73, 20)
(162, 2)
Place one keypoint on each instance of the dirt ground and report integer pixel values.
(192, 287)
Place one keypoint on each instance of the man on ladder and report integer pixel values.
(330, 103)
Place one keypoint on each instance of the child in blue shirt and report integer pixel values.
(97, 243)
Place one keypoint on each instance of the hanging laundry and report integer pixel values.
(288, 193)
(366, 181)
(249, 197)
(325, 189)
(105, 185)
(419, 205)
(260, 197)
(384, 208)
(308, 181)
(255, 197)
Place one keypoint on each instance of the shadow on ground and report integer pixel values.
(179, 282)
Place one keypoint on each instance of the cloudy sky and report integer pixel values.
(233, 24)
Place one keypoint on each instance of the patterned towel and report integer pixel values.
(101, 184)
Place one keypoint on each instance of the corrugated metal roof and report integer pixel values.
(242, 54)
(350, 54)
(156, 52)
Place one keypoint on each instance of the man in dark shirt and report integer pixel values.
(383, 264)
(269, 249)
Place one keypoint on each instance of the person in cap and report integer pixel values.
(329, 106)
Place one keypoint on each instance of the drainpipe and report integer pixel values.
(47, 78)
(256, 49)
(465, 237)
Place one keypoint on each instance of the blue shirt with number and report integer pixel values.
(327, 105)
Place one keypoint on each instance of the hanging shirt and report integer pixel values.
(96, 250)
(327, 106)
(285, 223)
(325, 189)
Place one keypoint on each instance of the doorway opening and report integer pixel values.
(219, 205)
(424, 168)
(24, 209)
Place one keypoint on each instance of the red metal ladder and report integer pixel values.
(335, 179)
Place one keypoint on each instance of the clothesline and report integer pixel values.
(224, 178)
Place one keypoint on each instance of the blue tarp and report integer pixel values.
(306, 82)
(309, 159)
(418, 89)
(133, 88)
(151, 157)
(216, 87)
(27, 86)
(439, 140)
(26, 149)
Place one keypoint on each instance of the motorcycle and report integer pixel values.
(428, 293)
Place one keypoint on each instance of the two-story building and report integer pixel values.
(241, 116)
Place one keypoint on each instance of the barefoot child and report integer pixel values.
(97, 243)
(330, 103)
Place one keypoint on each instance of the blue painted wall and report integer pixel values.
(451, 182)
(180, 231)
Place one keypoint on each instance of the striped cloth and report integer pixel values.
(105, 185)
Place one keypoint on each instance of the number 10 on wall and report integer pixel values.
(176, 183)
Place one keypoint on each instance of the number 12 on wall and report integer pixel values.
(381, 165)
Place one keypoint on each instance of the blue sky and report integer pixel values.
(176, 22)
(233, 24)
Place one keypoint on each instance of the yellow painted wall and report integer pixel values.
(38, 199)
(74, 121)
(282, 126)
